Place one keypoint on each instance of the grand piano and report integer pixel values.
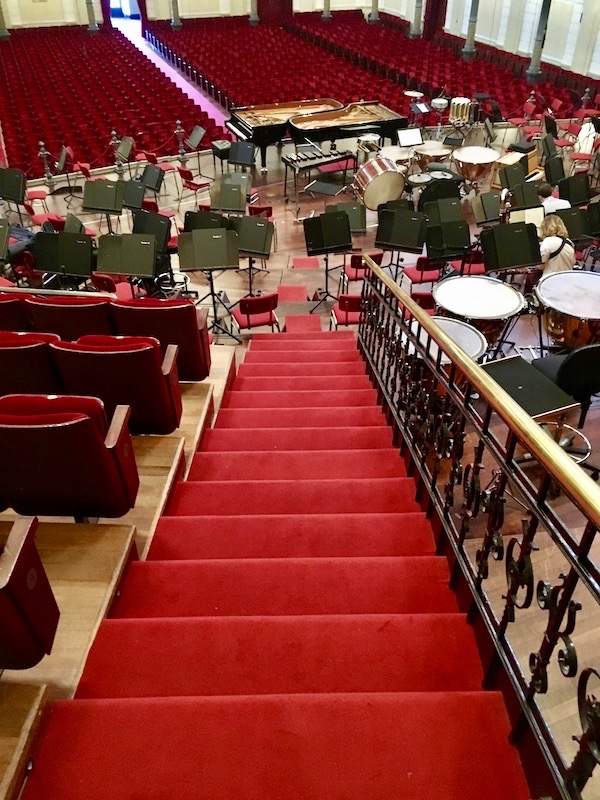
(314, 120)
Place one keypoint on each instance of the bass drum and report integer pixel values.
(572, 303)
(378, 181)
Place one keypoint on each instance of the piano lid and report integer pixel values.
(279, 113)
(352, 118)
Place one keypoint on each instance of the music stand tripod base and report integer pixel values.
(325, 294)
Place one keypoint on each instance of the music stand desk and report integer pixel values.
(537, 395)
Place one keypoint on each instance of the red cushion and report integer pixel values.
(45, 405)
(415, 275)
(38, 420)
(117, 342)
(102, 348)
(20, 338)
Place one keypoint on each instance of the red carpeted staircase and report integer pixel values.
(292, 635)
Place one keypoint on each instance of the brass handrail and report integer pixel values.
(574, 482)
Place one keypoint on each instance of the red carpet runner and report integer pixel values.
(292, 635)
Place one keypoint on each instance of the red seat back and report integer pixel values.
(121, 373)
(70, 317)
(27, 365)
(171, 322)
(13, 313)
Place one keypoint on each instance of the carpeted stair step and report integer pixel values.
(331, 369)
(366, 495)
(301, 383)
(282, 655)
(306, 438)
(292, 536)
(285, 344)
(323, 398)
(329, 336)
(305, 356)
(411, 746)
(329, 417)
(293, 465)
(285, 587)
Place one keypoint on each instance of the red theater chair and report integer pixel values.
(126, 370)
(171, 322)
(70, 317)
(28, 608)
(27, 365)
(189, 184)
(60, 457)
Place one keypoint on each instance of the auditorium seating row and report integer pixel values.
(119, 370)
(428, 66)
(76, 88)
(172, 322)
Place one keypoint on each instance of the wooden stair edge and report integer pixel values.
(14, 754)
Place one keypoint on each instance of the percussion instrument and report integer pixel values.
(413, 95)
(439, 104)
(485, 302)
(474, 163)
(378, 181)
(442, 174)
(431, 151)
(468, 338)
(399, 155)
(460, 108)
(572, 303)
(419, 179)
(368, 142)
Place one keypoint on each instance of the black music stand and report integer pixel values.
(255, 236)
(152, 177)
(123, 152)
(575, 189)
(326, 234)
(227, 196)
(554, 170)
(12, 188)
(62, 169)
(525, 195)
(193, 143)
(131, 254)
(357, 214)
(448, 241)
(486, 208)
(67, 255)
(133, 194)
(201, 220)
(242, 154)
(104, 196)
(208, 251)
(4, 236)
(401, 230)
(73, 224)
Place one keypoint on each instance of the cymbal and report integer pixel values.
(415, 95)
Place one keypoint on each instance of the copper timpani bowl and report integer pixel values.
(431, 151)
(474, 163)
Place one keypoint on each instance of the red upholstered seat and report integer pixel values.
(254, 312)
(124, 371)
(70, 317)
(346, 311)
(58, 461)
(171, 322)
(28, 608)
(422, 272)
(26, 364)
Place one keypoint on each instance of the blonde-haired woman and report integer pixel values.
(558, 251)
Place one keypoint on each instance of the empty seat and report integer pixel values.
(61, 458)
(26, 364)
(70, 317)
(124, 371)
(171, 322)
(28, 608)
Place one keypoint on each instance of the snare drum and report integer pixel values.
(485, 302)
(378, 181)
(572, 303)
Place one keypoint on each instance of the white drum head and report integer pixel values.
(576, 293)
(478, 297)
(419, 178)
(396, 154)
(468, 338)
(379, 181)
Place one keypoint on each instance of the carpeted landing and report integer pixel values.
(291, 635)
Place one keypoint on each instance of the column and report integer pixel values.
(254, 18)
(4, 32)
(415, 28)
(175, 18)
(534, 72)
(326, 15)
(468, 51)
(374, 15)
(93, 25)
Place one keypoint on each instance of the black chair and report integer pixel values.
(577, 373)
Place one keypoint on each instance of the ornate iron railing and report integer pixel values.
(518, 522)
